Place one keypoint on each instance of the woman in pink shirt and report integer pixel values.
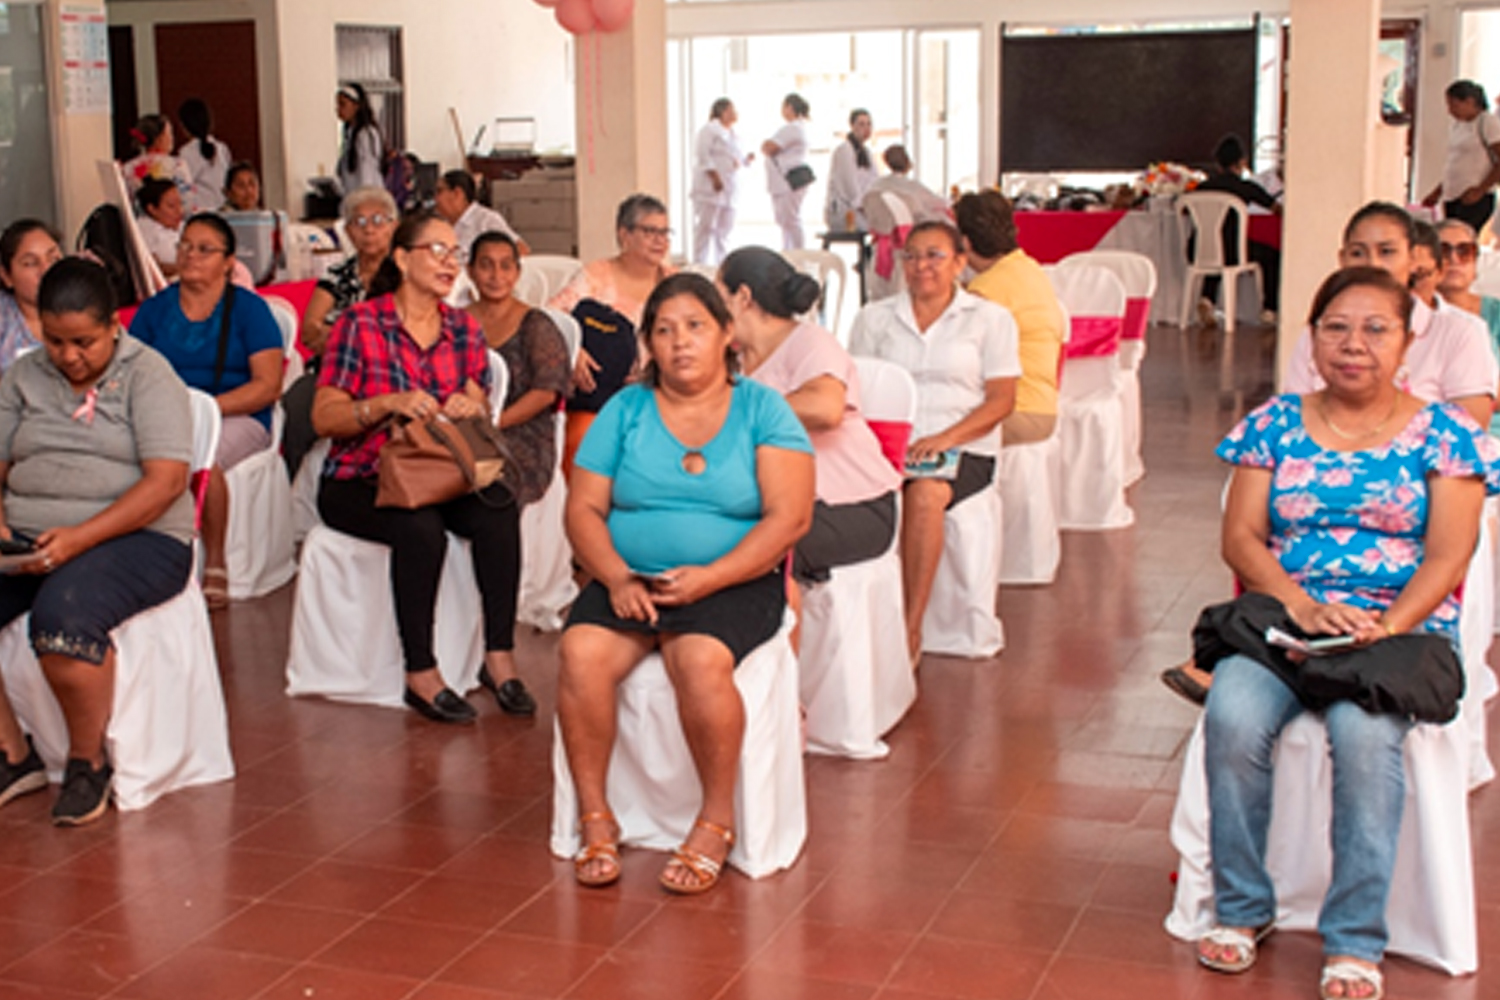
(854, 518)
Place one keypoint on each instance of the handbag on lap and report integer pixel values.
(432, 462)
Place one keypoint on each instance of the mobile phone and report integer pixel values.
(652, 580)
(943, 465)
(17, 545)
(1330, 643)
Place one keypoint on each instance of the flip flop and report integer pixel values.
(1351, 973)
(1244, 945)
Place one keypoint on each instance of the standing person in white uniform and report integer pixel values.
(206, 158)
(716, 162)
(1472, 168)
(363, 150)
(787, 173)
(850, 174)
(963, 352)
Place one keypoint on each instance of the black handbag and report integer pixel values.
(799, 176)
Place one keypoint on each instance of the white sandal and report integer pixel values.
(1244, 944)
(1351, 973)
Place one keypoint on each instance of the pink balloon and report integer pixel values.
(613, 15)
(575, 16)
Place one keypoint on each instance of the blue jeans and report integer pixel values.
(1248, 706)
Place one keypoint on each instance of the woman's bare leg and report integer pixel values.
(924, 503)
(12, 739)
(85, 691)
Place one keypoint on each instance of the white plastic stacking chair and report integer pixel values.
(543, 276)
(1092, 496)
(1205, 212)
(856, 681)
(653, 787)
(167, 729)
(823, 266)
(1138, 274)
(547, 586)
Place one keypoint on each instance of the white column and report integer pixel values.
(79, 140)
(1333, 98)
(621, 122)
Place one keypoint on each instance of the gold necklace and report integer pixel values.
(1323, 412)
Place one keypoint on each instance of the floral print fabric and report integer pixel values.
(1349, 526)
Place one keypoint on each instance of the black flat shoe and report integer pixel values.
(512, 696)
(446, 707)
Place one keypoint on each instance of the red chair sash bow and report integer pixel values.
(886, 245)
(1094, 337)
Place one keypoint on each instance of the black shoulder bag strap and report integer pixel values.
(223, 352)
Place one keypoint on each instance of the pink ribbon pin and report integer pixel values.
(85, 411)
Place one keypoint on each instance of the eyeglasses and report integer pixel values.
(366, 221)
(1461, 252)
(444, 252)
(187, 249)
(933, 258)
(654, 232)
(1337, 331)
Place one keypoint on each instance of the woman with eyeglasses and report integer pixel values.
(607, 298)
(223, 340)
(405, 354)
(1356, 506)
(963, 352)
(1458, 248)
(370, 219)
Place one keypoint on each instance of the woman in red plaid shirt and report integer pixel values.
(405, 353)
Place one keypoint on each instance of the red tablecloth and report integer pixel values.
(1051, 236)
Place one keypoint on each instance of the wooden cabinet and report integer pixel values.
(542, 205)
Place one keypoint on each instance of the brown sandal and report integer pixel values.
(704, 868)
(607, 850)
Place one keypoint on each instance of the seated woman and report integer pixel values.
(152, 138)
(28, 249)
(370, 218)
(1321, 481)
(607, 297)
(405, 354)
(95, 440)
(962, 352)
(160, 222)
(242, 188)
(688, 491)
(223, 340)
(854, 516)
(1458, 249)
(534, 353)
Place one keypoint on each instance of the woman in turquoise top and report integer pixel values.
(1357, 507)
(687, 493)
(1458, 265)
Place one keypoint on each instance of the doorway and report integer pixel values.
(214, 61)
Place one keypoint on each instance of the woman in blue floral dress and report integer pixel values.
(1358, 508)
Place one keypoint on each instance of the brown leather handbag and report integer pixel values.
(432, 462)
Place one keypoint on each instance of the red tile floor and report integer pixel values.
(1013, 846)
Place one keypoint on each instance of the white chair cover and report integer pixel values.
(1476, 628)
(1029, 479)
(543, 276)
(167, 727)
(305, 491)
(653, 787)
(1137, 274)
(1430, 915)
(1092, 495)
(961, 618)
(856, 680)
(1206, 212)
(259, 548)
(547, 586)
(824, 265)
(344, 642)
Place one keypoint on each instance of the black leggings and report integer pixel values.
(418, 540)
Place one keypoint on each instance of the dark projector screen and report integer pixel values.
(1119, 102)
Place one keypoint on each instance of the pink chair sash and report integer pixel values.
(1137, 314)
(1094, 337)
(886, 245)
(893, 436)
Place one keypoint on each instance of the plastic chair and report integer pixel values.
(1138, 274)
(260, 551)
(653, 787)
(1206, 212)
(543, 276)
(167, 728)
(1092, 493)
(547, 587)
(856, 681)
(824, 265)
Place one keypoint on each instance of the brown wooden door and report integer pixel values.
(215, 61)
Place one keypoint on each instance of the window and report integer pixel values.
(371, 57)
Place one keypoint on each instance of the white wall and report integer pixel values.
(484, 58)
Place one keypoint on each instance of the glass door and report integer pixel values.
(945, 108)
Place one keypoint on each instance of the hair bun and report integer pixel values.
(801, 292)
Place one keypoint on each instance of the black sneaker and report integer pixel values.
(24, 778)
(84, 795)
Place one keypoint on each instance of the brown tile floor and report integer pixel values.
(1014, 844)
